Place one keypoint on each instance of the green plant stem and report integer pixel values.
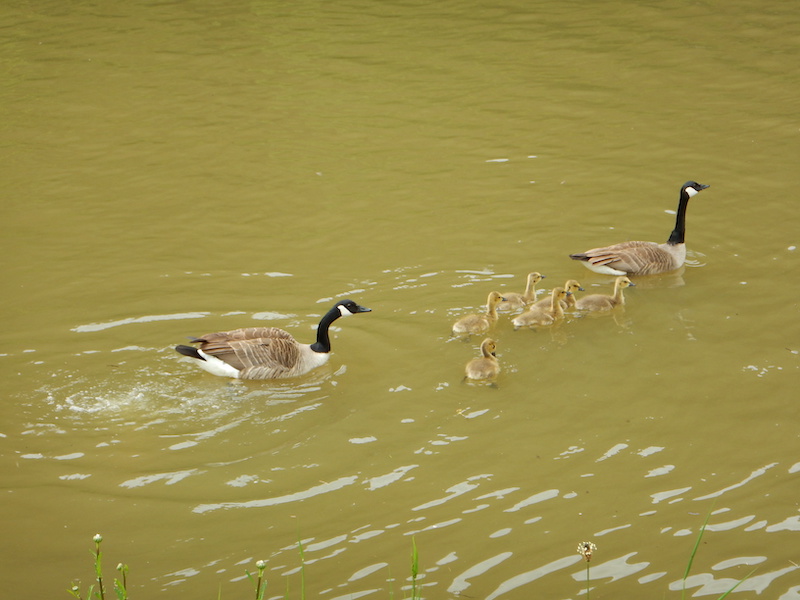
(588, 583)
(302, 571)
(98, 570)
(414, 569)
(694, 551)
(740, 582)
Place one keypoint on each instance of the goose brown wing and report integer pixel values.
(252, 346)
(631, 257)
(272, 357)
(247, 333)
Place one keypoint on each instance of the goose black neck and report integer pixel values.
(679, 233)
(323, 343)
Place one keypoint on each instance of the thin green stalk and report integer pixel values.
(588, 580)
(414, 569)
(694, 552)
(98, 567)
(302, 571)
(738, 583)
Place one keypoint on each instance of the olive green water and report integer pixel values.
(171, 169)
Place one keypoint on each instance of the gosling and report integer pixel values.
(483, 322)
(571, 286)
(487, 366)
(541, 316)
(516, 301)
(604, 302)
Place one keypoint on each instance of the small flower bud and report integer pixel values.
(261, 564)
(585, 549)
(97, 538)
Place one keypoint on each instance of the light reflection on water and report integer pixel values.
(219, 411)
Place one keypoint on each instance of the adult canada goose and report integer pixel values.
(571, 286)
(602, 302)
(645, 258)
(515, 301)
(539, 316)
(480, 323)
(266, 352)
(487, 366)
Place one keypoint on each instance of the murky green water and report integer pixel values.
(171, 169)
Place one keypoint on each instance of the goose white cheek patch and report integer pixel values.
(691, 191)
(343, 311)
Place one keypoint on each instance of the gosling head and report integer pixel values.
(535, 277)
(489, 347)
(624, 282)
(573, 286)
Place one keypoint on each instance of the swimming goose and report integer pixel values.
(539, 316)
(487, 366)
(602, 302)
(571, 286)
(480, 323)
(266, 352)
(645, 258)
(515, 301)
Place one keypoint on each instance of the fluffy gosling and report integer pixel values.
(604, 302)
(517, 301)
(483, 322)
(487, 366)
(540, 316)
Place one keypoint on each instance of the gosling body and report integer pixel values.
(645, 258)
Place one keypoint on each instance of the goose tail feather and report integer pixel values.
(189, 351)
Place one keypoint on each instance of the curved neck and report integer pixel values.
(530, 289)
(323, 343)
(555, 306)
(679, 233)
(618, 297)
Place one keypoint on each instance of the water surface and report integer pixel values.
(171, 169)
